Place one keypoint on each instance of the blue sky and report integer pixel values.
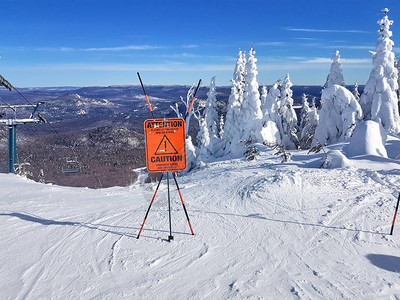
(83, 43)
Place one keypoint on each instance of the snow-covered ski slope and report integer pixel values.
(263, 230)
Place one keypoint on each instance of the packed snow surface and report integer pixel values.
(263, 230)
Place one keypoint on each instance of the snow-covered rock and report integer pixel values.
(336, 159)
(368, 138)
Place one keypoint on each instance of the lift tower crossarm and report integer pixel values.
(13, 122)
(17, 106)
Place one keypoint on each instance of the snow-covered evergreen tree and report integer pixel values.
(221, 126)
(338, 116)
(264, 94)
(288, 116)
(192, 153)
(251, 106)
(313, 102)
(335, 75)
(211, 118)
(203, 142)
(232, 125)
(240, 71)
(310, 124)
(191, 150)
(379, 100)
(271, 132)
(397, 65)
(270, 107)
(305, 108)
(356, 94)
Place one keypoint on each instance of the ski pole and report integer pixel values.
(395, 214)
(170, 237)
(194, 95)
(147, 98)
(151, 203)
(183, 204)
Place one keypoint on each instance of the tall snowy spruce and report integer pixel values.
(307, 132)
(272, 104)
(212, 119)
(379, 100)
(271, 120)
(335, 75)
(288, 115)
(397, 65)
(264, 94)
(232, 126)
(252, 129)
(356, 93)
(340, 111)
(305, 108)
(221, 126)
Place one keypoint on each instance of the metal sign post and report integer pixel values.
(166, 152)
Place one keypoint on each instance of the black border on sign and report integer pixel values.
(184, 148)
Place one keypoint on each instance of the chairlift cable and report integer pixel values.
(27, 101)
(12, 108)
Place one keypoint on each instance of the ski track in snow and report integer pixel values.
(261, 232)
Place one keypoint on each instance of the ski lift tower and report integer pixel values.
(12, 125)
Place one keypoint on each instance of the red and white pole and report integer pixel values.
(395, 214)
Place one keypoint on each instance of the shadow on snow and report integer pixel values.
(100, 227)
(386, 262)
(260, 217)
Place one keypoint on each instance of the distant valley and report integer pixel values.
(98, 130)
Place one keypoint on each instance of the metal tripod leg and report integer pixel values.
(183, 204)
(151, 203)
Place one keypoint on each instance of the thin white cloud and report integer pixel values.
(123, 48)
(277, 44)
(165, 67)
(100, 49)
(296, 58)
(190, 46)
(324, 60)
(306, 39)
(324, 30)
(355, 47)
(59, 49)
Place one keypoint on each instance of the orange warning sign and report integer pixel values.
(165, 144)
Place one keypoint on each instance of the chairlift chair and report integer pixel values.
(71, 166)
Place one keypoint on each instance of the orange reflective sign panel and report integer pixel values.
(165, 144)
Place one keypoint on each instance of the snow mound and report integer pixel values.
(368, 138)
(336, 159)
